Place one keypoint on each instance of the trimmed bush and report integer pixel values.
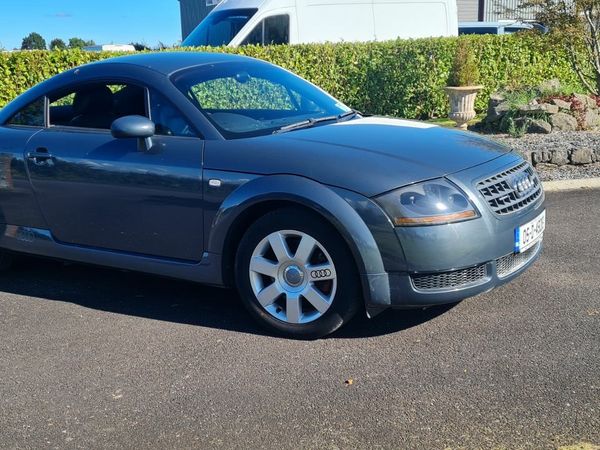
(465, 70)
(398, 78)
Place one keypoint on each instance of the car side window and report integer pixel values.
(167, 119)
(270, 31)
(97, 105)
(30, 116)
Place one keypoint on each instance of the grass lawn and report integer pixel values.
(447, 123)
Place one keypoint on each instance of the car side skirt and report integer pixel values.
(40, 242)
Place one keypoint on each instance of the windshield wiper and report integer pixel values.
(313, 121)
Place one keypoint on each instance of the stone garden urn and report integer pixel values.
(462, 103)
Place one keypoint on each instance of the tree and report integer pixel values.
(576, 25)
(76, 42)
(57, 44)
(33, 41)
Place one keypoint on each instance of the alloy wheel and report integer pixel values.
(293, 276)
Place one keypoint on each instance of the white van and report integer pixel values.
(110, 48)
(241, 22)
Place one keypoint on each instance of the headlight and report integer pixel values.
(430, 203)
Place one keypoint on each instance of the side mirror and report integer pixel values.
(138, 127)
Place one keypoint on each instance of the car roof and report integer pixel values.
(165, 63)
(169, 62)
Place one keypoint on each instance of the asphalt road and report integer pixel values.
(94, 358)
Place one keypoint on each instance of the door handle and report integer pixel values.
(41, 157)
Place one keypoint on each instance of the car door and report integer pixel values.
(18, 205)
(98, 191)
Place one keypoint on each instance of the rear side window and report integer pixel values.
(270, 31)
(30, 116)
(97, 105)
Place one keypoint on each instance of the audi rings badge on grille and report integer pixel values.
(316, 274)
(522, 184)
(512, 189)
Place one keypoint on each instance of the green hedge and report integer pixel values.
(398, 78)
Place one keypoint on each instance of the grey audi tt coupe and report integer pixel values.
(230, 171)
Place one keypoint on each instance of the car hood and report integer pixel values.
(367, 155)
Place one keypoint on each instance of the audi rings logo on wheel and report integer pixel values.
(316, 274)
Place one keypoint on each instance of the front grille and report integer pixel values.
(450, 280)
(509, 264)
(501, 193)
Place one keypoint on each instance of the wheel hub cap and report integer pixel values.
(293, 275)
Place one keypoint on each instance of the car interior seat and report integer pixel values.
(92, 107)
(130, 101)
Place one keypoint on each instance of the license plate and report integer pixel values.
(526, 236)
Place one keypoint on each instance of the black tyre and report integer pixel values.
(6, 260)
(296, 275)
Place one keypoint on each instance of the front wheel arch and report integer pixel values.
(263, 194)
(251, 215)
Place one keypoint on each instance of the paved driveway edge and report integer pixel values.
(570, 185)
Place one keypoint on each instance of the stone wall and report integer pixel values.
(575, 148)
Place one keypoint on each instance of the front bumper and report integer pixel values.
(420, 290)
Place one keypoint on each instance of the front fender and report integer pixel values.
(323, 200)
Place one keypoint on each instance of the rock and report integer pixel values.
(586, 101)
(581, 156)
(561, 103)
(550, 109)
(563, 122)
(497, 111)
(496, 99)
(560, 157)
(539, 126)
(591, 120)
(543, 107)
(540, 156)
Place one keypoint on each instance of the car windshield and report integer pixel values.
(219, 28)
(252, 98)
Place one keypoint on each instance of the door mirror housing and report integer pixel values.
(138, 127)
